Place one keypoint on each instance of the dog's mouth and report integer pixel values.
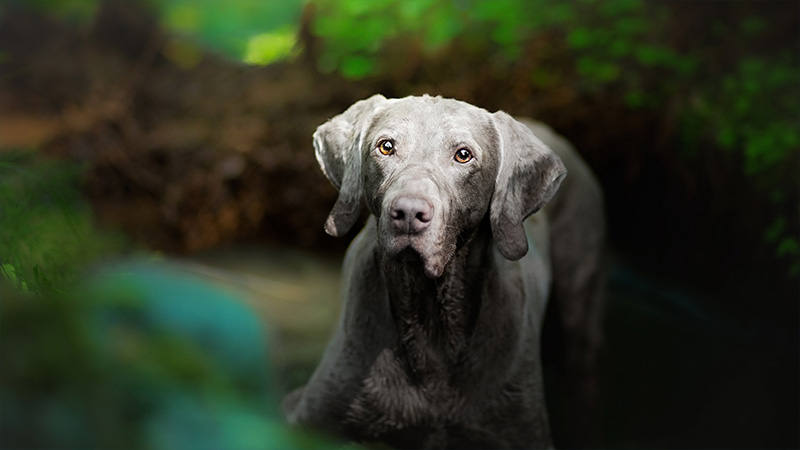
(412, 252)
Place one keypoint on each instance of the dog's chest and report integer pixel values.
(390, 403)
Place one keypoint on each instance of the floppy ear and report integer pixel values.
(528, 177)
(337, 144)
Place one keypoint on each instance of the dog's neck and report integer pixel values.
(435, 317)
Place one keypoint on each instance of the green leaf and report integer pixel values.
(753, 25)
(620, 48)
(409, 11)
(267, 48)
(630, 27)
(184, 18)
(787, 247)
(543, 78)
(506, 34)
(616, 8)
(635, 99)
(443, 30)
(726, 137)
(580, 38)
(9, 272)
(357, 66)
(597, 70)
(775, 230)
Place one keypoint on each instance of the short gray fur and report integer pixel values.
(438, 344)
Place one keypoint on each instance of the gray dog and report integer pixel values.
(445, 288)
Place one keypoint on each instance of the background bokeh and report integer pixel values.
(164, 274)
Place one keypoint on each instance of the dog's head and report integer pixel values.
(430, 169)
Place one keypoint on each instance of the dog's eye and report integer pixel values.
(463, 156)
(386, 147)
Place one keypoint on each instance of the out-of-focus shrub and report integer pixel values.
(47, 234)
(118, 355)
(744, 103)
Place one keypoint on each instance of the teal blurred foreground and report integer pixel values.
(142, 355)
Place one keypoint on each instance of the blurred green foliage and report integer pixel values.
(141, 355)
(354, 31)
(79, 12)
(256, 32)
(47, 234)
(273, 46)
(751, 113)
(136, 354)
(749, 108)
(144, 356)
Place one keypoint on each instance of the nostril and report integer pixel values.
(398, 214)
(423, 216)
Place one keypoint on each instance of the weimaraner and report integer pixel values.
(445, 288)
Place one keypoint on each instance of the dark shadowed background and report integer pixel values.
(164, 275)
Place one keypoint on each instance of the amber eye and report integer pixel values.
(463, 156)
(386, 147)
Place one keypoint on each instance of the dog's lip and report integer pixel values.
(405, 248)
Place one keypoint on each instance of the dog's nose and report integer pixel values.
(411, 215)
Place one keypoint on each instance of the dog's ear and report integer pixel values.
(337, 144)
(528, 176)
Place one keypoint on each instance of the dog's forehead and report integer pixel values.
(433, 116)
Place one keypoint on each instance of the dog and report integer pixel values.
(446, 287)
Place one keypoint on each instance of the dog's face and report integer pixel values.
(430, 169)
(428, 173)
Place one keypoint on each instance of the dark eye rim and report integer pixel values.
(380, 148)
(463, 160)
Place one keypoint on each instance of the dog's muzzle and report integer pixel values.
(413, 223)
